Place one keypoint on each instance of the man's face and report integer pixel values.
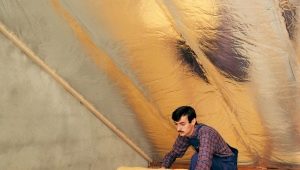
(184, 128)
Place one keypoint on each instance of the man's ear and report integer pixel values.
(194, 121)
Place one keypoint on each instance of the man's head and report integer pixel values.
(185, 119)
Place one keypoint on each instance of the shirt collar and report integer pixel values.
(195, 131)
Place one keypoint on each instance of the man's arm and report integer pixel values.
(179, 148)
(206, 149)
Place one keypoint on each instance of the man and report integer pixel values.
(212, 152)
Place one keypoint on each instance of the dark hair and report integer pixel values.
(183, 111)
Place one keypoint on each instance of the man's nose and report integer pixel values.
(178, 128)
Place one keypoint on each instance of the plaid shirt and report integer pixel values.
(210, 143)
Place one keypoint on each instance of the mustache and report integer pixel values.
(179, 131)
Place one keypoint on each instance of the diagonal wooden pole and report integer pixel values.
(31, 55)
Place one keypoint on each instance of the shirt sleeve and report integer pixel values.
(179, 148)
(206, 150)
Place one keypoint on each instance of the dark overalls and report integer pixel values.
(218, 163)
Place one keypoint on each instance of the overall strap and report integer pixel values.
(194, 141)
